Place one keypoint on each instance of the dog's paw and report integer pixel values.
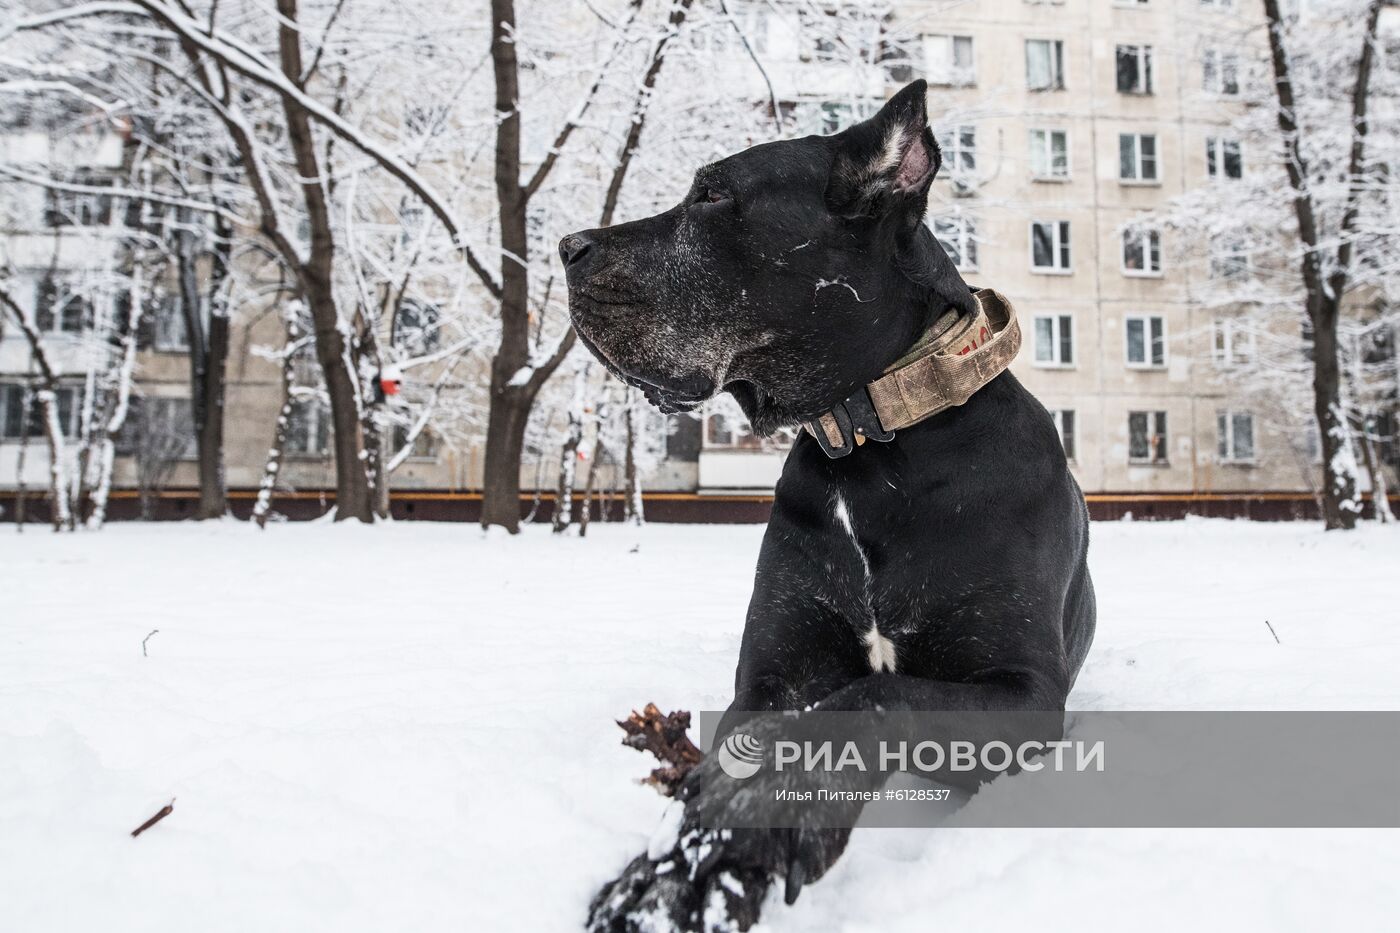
(648, 895)
(799, 855)
(672, 894)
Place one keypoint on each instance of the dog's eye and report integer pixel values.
(713, 196)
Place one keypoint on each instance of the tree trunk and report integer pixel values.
(505, 438)
(262, 509)
(212, 381)
(272, 467)
(586, 513)
(1375, 468)
(511, 397)
(213, 483)
(352, 492)
(121, 403)
(632, 510)
(21, 457)
(1340, 504)
(62, 510)
(377, 443)
(568, 454)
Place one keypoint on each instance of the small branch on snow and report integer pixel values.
(1272, 632)
(160, 815)
(146, 639)
(664, 736)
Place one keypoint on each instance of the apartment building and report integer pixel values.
(1063, 126)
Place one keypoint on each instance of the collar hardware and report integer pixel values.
(850, 424)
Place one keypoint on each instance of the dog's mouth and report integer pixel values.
(672, 395)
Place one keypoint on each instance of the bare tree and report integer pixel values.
(517, 374)
(1327, 258)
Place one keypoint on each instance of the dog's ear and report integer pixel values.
(886, 164)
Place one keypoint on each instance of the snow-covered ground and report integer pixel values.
(410, 728)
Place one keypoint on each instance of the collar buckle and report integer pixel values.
(854, 420)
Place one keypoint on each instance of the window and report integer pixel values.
(1050, 246)
(1233, 343)
(957, 235)
(417, 327)
(826, 117)
(949, 60)
(1134, 69)
(424, 445)
(897, 62)
(171, 335)
(309, 430)
(1049, 154)
(57, 310)
(1146, 340)
(1045, 64)
(1220, 72)
(12, 410)
(1137, 157)
(1229, 258)
(959, 146)
(158, 428)
(1223, 157)
(80, 208)
(1142, 252)
(1147, 437)
(1064, 424)
(1054, 340)
(1234, 433)
(12, 413)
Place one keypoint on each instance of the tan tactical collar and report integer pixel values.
(952, 360)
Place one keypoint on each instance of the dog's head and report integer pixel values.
(791, 274)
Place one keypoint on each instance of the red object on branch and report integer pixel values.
(389, 379)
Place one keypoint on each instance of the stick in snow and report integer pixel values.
(146, 639)
(664, 736)
(162, 814)
(1272, 632)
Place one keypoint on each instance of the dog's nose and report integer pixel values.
(574, 247)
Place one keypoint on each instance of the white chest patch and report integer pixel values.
(882, 653)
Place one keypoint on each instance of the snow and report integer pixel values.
(410, 727)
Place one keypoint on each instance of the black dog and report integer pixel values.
(941, 570)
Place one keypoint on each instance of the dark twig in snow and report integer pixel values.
(1272, 632)
(160, 815)
(146, 639)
